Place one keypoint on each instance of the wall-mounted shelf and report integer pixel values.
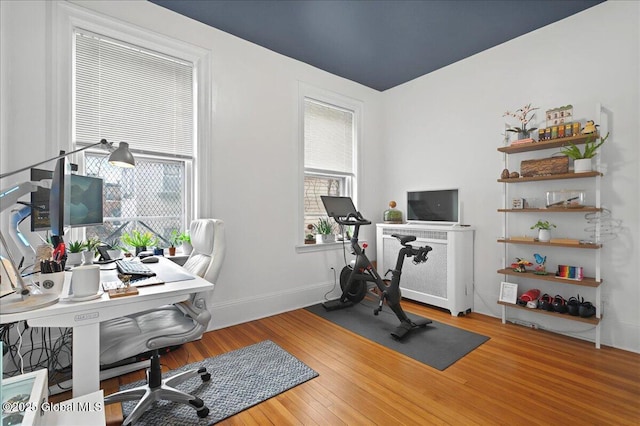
(553, 210)
(549, 244)
(551, 177)
(585, 282)
(591, 286)
(591, 320)
(554, 143)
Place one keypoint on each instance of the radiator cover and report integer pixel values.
(446, 278)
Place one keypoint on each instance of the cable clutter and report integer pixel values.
(45, 351)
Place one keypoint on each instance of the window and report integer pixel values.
(330, 139)
(124, 92)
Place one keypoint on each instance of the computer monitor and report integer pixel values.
(337, 207)
(57, 199)
(40, 202)
(85, 201)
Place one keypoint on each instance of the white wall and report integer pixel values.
(439, 131)
(254, 148)
(443, 129)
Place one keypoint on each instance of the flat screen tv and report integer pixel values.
(85, 201)
(437, 207)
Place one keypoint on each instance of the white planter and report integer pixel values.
(325, 238)
(544, 235)
(114, 254)
(74, 259)
(187, 248)
(582, 165)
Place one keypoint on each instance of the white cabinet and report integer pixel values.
(446, 278)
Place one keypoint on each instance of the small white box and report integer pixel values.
(23, 397)
(517, 203)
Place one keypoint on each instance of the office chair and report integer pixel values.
(170, 325)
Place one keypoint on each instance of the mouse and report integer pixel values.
(150, 259)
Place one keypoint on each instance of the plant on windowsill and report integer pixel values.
(139, 240)
(324, 231)
(544, 230)
(309, 238)
(582, 160)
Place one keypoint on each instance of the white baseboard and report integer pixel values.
(238, 311)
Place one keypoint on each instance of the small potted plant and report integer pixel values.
(544, 230)
(582, 160)
(309, 238)
(324, 230)
(139, 240)
(75, 249)
(115, 249)
(185, 239)
(174, 241)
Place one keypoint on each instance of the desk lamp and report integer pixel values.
(26, 298)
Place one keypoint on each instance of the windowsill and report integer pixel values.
(307, 248)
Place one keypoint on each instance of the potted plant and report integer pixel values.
(174, 241)
(582, 160)
(75, 249)
(324, 230)
(309, 238)
(544, 230)
(139, 240)
(185, 239)
(115, 249)
(522, 114)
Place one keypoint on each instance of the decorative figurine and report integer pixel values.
(590, 127)
(540, 268)
(520, 265)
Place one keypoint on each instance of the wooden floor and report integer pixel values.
(520, 376)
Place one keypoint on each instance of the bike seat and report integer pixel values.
(404, 239)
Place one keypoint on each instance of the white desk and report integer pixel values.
(85, 318)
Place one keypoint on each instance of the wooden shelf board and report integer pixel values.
(591, 320)
(550, 177)
(540, 243)
(554, 143)
(585, 282)
(553, 210)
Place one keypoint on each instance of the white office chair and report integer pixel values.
(170, 325)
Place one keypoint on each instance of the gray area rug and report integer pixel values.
(437, 345)
(239, 379)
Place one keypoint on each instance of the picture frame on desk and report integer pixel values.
(508, 292)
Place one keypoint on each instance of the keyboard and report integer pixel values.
(135, 269)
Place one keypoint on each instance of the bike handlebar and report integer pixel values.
(352, 219)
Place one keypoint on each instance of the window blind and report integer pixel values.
(126, 93)
(328, 138)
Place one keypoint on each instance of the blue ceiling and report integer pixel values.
(379, 44)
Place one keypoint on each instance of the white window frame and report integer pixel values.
(67, 17)
(306, 91)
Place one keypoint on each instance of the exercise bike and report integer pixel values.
(354, 279)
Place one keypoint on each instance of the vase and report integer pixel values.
(187, 248)
(582, 165)
(544, 235)
(325, 238)
(74, 259)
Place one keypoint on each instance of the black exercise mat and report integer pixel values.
(437, 345)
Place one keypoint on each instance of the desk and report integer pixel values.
(85, 318)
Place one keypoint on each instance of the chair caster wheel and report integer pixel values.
(203, 412)
(206, 377)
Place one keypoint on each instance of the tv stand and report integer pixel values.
(446, 279)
